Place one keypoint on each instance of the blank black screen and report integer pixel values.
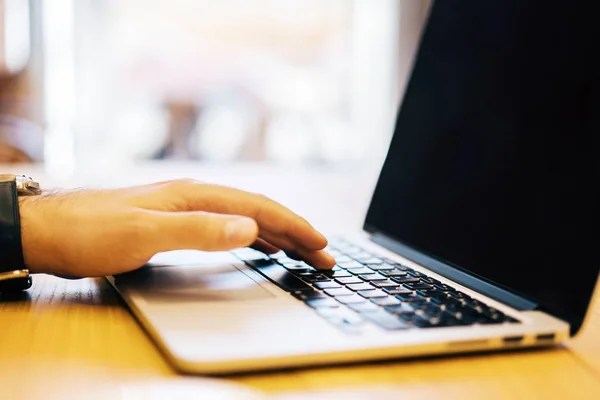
(494, 163)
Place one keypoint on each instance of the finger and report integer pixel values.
(319, 259)
(196, 230)
(185, 195)
(264, 247)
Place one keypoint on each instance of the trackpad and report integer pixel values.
(197, 283)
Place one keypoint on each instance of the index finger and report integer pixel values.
(270, 215)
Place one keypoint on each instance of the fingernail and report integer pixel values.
(241, 231)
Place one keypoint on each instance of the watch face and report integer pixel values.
(26, 185)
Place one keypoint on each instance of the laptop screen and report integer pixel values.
(494, 164)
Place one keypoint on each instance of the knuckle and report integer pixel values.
(181, 184)
(188, 181)
(138, 224)
(262, 202)
(262, 199)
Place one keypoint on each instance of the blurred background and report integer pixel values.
(91, 83)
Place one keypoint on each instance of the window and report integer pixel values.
(260, 80)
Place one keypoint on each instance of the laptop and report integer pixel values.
(481, 235)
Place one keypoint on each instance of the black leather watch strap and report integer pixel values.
(11, 249)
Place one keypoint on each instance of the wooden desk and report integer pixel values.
(75, 339)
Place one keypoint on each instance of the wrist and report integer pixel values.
(31, 212)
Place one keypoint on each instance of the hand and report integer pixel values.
(106, 232)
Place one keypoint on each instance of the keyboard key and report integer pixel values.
(342, 259)
(372, 277)
(349, 280)
(431, 292)
(418, 274)
(340, 315)
(460, 295)
(399, 266)
(414, 301)
(314, 278)
(299, 270)
(361, 271)
(385, 284)
(309, 289)
(351, 265)
(412, 295)
(360, 286)
(476, 304)
(494, 314)
(296, 265)
(406, 279)
(382, 267)
(327, 285)
(397, 290)
(307, 295)
(354, 299)
(400, 309)
(336, 274)
(279, 276)
(248, 254)
(440, 320)
(417, 286)
(470, 316)
(369, 294)
(287, 260)
(259, 262)
(329, 312)
(394, 272)
(385, 320)
(433, 280)
(449, 303)
(338, 292)
(372, 260)
(437, 296)
(385, 301)
(364, 307)
(444, 288)
(428, 310)
(318, 303)
(279, 255)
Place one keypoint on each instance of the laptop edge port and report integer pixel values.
(545, 338)
(512, 340)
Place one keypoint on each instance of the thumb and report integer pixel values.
(200, 230)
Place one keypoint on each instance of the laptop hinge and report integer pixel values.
(484, 287)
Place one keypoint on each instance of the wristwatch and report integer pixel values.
(14, 275)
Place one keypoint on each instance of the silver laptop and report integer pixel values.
(481, 233)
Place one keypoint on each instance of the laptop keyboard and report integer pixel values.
(364, 288)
